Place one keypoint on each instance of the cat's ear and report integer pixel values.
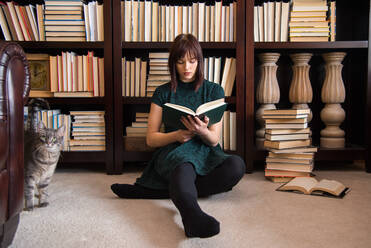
(61, 130)
(40, 126)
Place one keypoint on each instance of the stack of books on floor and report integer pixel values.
(287, 138)
(308, 21)
(88, 131)
(158, 71)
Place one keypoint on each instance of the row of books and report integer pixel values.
(149, 20)
(136, 82)
(53, 21)
(85, 130)
(287, 137)
(71, 75)
(227, 141)
(275, 21)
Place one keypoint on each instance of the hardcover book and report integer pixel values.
(172, 113)
(311, 186)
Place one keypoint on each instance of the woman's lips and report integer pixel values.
(187, 73)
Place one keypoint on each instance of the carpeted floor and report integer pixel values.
(84, 213)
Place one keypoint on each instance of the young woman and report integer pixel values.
(189, 163)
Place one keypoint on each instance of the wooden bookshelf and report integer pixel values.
(103, 49)
(125, 107)
(352, 37)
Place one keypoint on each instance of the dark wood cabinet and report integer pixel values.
(352, 37)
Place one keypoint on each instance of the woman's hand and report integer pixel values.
(184, 135)
(195, 125)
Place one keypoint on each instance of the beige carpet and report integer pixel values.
(84, 213)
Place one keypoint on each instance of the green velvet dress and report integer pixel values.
(165, 159)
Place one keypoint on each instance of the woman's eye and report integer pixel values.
(193, 61)
(179, 62)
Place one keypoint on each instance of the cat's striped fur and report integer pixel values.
(42, 151)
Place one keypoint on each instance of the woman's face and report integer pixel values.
(186, 68)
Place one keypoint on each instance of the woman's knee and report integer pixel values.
(236, 167)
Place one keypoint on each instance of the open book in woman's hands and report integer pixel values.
(214, 110)
(310, 186)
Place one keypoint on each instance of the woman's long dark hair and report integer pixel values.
(182, 45)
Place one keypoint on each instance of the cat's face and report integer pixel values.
(52, 139)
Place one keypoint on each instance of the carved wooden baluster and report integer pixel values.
(333, 94)
(300, 89)
(268, 91)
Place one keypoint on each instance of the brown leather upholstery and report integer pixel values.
(14, 89)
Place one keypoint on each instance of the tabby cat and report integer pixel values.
(42, 150)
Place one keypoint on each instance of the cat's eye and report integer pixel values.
(54, 139)
(42, 138)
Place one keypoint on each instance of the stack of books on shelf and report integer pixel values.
(64, 20)
(308, 21)
(138, 128)
(87, 131)
(158, 71)
(155, 21)
(56, 20)
(287, 138)
(135, 139)
(271, 21)
(67, 75)
(134, 75)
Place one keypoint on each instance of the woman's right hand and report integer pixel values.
(184, 135)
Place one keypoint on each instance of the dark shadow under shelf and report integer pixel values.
(83, 157)
(76, 100)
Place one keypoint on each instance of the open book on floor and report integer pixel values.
(214, 110)
(311, 186)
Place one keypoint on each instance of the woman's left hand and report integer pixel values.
(195, 125)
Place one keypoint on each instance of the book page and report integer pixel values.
(330, 186)
(181, 108)
(304, 184)
(209, 105)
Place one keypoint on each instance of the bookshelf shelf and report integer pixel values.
(58, 45)
(166, 45)
(312, 45)
(77, 100)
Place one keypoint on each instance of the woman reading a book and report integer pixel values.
(189, 162)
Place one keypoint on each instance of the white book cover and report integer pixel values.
(185, 19)
(207, 23)
(93, 21)
(265, 22)
(256, 24)
(167, 23)
(201, 21)
(195, 19)
(277, 21)
(141, 20)
(261, 23)
(231, 20)
(127, 21)
(217, 67)
(211, 69)
(154, 21)
(285, 12)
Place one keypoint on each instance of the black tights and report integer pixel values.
(184, 189)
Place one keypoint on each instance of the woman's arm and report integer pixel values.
(157, 139)
(209, 135)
